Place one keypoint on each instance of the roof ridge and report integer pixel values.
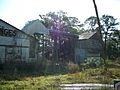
(86, 35)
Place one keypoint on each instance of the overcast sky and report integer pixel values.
(18, 12)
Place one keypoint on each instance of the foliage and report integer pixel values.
(113, 45)
(108, 24)
(91, 23)
(72, 67)
(61, 22)
(17, 68)
(93, 62)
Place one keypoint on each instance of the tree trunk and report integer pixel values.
(99, 25)
(96, 11)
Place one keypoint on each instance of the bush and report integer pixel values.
(93, 61)
(72, 67)
(14, 69)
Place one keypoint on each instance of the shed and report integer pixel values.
(89, 45)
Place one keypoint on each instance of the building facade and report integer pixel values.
(16, 44)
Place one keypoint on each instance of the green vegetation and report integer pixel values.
(52, 82)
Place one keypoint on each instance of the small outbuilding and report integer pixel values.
(89, 44)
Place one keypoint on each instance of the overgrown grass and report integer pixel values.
(52, 82)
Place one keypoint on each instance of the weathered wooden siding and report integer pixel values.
(2, 53)
(16, 46)
(6, 41)
(80, 55)
(89, 44)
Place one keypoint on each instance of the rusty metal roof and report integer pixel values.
(86, 35)
(35, 26)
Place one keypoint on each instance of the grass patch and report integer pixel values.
(52, 82)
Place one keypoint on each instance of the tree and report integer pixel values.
(108, 29)
(91, 23)
(113, 45)
(62, 30)
(61, 22)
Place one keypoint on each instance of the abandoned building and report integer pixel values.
(16, 44)
(89, 44)
(36, 42)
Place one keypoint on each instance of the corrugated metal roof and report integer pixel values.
(86, 35)
(35, 26)
(15, 28)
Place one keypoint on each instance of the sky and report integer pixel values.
(19, 12)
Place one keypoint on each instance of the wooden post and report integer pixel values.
(43, 49)
(55, 53)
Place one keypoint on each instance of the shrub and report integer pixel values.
(72, 67)
(93, 61)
